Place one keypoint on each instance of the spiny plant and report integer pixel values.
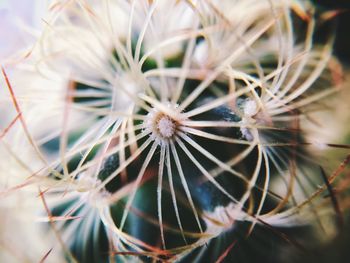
(176, 131)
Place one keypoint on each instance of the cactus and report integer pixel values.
(177, 131)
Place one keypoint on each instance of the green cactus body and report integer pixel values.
(182, 129)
